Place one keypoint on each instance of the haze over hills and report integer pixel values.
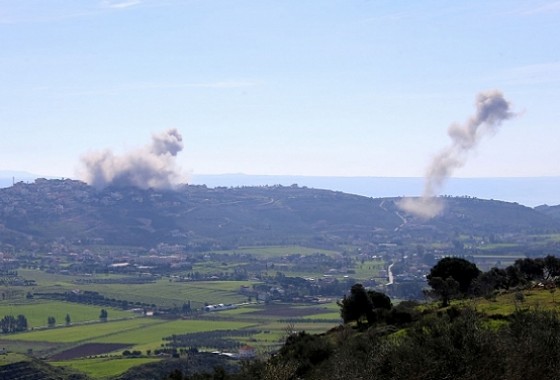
(202, 218)
(528, 191)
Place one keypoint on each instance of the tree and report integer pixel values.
(551, 267)
(68, 320)
(21, 323)
(356, 306)
(488, 282)
(379, 300)
(444, 289)
(51, 321)
(514, 276)
(362, 304)
(186, 309)
(103, 315)
(8, 324)
(460, 270)
(175, 375)
(532, 269)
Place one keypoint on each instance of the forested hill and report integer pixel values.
(204, 218)
(553, 211)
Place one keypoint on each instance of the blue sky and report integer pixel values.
(342, 88)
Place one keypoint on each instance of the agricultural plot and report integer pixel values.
(150, 336)
(37, 312)
(210, 268)
(53, 282)
(276, 321)
(88, 350)
(83, 333)
(100, 368)
(167, 293)
(368, 269)
(280, 251)
(279, 312)
(487, 261)
(97, 348)
(136, 334)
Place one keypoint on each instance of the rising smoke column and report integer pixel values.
(491, 110)
(152, 166)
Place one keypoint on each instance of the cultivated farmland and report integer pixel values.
(95, 347)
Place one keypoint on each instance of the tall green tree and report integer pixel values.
(356, 306)
(21, 323)
(551, 267)
(459, 269)
(363, 305)
(532, 269)
(103, 315)
(8, 324)
(445, 290)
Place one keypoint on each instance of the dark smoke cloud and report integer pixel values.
(152, 166)
(491, 110)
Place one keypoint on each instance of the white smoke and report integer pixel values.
(152, 166)
(491, 110)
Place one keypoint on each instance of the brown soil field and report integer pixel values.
(88, 349)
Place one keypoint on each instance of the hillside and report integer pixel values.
(202, 218)
(507, 337)
(19, 367)
(553, 211)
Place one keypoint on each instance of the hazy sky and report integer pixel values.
(349, 87)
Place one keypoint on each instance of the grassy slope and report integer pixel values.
(507, 303)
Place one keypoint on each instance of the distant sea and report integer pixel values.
(528, 191)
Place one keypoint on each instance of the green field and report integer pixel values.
(369, 268)
(100, 368)
(82, 333)
(37, 311)
(147, 333)
(168, 293)
(279, 251)
(264, 327)
(165, 292)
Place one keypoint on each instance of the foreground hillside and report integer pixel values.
(498, 324)
(469, 340)
(202, 218)
(19, 367)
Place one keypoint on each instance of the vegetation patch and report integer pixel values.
(37, 312)
(80, 333)
(88, 349)
(102, 368)
(288, 311)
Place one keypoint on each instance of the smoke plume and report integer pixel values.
(152, 166)
(491, 110)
